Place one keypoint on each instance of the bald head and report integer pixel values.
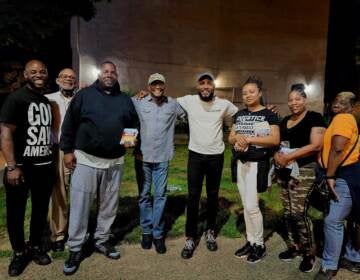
(30, 64)
(36, 75)
(66, 81)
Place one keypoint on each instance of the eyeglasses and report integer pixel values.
(67, 77)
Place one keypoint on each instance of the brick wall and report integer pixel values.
(282, 41)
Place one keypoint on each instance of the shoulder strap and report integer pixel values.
(349, 153)
(345, 158)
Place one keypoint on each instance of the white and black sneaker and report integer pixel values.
(188, 250)
(211, 240)
(290, 254)
(107, 250)
(256, 254)
(244, 251)
(73, 262)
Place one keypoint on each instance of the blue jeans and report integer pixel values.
(151, 211)
(334, 228)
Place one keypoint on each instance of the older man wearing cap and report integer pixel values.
(157, 114)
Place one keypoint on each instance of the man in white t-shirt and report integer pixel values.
(206, 114)
(60, 101)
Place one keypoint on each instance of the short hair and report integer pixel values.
(300, 88)
(351, 97)
(107, 62)
(254, 80)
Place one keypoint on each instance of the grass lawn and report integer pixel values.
(126, 226)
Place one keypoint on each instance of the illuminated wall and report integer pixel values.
(281, 41)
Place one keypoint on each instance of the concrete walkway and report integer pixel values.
(136, 263)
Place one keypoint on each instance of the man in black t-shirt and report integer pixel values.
(26, 122)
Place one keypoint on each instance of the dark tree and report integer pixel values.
(26, 24)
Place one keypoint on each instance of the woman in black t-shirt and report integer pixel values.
(254, 133)
(301, 138)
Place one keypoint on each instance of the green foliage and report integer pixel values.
(127, 229)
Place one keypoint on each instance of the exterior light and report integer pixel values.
(94, 72)
(309, 88)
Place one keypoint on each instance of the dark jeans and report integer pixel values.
(39, 180)
(200, 166)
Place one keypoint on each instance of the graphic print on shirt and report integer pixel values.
(38, 142)
(252, 126)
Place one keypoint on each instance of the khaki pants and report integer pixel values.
(59, 201)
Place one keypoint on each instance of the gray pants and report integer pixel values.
(87, 183)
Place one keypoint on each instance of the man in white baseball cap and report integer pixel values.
(158, 114)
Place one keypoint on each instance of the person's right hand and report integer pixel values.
(70, 161)
(15, 177)
(141, 94)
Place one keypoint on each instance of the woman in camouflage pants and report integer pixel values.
(301, 136)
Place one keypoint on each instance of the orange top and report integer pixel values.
(342, 125)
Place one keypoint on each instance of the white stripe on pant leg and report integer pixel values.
(247, 185)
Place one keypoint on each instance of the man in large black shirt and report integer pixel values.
(90, 140)
(26, 122)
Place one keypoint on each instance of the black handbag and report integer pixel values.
(319, 195)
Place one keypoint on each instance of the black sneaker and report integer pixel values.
(58, 246)
(256, 254)
(146, 241)
(210, 240)
(325, 274)
(107, 250)
(350, 265)
(290, 254)
(160, 245)
(244, 251)
(72, 264)
(188, 250)
(39, 256)
(18, 263)
(307, 263)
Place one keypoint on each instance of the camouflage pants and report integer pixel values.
(298, 226)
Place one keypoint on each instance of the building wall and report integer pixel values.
(281, 41)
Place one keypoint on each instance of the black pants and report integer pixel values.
(200, 166)
(39, 180)
(139, 172)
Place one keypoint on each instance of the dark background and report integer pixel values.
(19, 42)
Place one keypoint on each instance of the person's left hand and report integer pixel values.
(331, 186)
(130, 144)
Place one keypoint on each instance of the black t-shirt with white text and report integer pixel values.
(30, 112)
(254, 124)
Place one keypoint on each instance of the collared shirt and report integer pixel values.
(60, 104)
(157, 126)
(206, 122)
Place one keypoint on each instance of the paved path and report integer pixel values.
(136, 263)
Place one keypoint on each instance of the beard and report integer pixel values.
(206, 98)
